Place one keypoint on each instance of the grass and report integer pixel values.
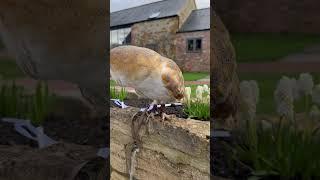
(267, 84)
(190, 76)
(257, 47)
(9, 69)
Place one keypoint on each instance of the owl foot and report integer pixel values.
(164, 116)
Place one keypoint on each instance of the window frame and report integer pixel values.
(194, 40)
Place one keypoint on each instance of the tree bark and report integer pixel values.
(224, 76)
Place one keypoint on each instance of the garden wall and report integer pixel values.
(270, 16)
(178, 149)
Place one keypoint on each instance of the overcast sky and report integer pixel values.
(116, 5)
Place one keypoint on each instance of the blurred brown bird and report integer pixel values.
(150, 74)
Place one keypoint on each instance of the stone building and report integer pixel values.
(173, 28)
(193, 42)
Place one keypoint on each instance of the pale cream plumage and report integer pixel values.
(152, 75)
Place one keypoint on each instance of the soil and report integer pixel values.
(223, 163)
(93, 132)
(143, 103)
(10, 137)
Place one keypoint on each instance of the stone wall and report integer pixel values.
(270, 16)
(179, 149)
(193, 62)
(157, 33)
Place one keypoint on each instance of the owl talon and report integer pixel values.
(167, 117)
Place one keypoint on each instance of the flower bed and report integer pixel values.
(274, 147)
(67, 122)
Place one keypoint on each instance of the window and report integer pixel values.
(120, 37)
(194, 45)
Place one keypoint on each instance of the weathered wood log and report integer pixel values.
(56, 162)
(177, 149)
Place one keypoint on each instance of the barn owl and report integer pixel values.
(150, 74)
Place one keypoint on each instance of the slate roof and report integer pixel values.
(198, 20)
(167, 8)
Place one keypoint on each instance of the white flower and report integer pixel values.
(199, 92)
(305, 83)
(284, 98)
(187, 93)
(314, 113)
(248, 92)
(316, 94)
(255, 91)
(206, 89)
(295, 89)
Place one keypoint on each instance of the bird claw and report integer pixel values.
(149, 123)
(167, 117)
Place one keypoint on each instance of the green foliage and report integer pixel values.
(193, 76)
(197, 109)
(257, 47)
(9, 100)
(9, 69)
(42, 103)
(281, 150)
(15, 102)
(115, 94)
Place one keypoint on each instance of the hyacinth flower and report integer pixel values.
(295, 89)
(187, 95)
(316, 95)
(199, 92)
(305, 84)
(199, 106)
(284, 98)
(314, 113)
(206, 89)
(249, 92)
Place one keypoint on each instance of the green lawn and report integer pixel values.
(189, 76)
(9, 69)
(257, 47)
(267, 84)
